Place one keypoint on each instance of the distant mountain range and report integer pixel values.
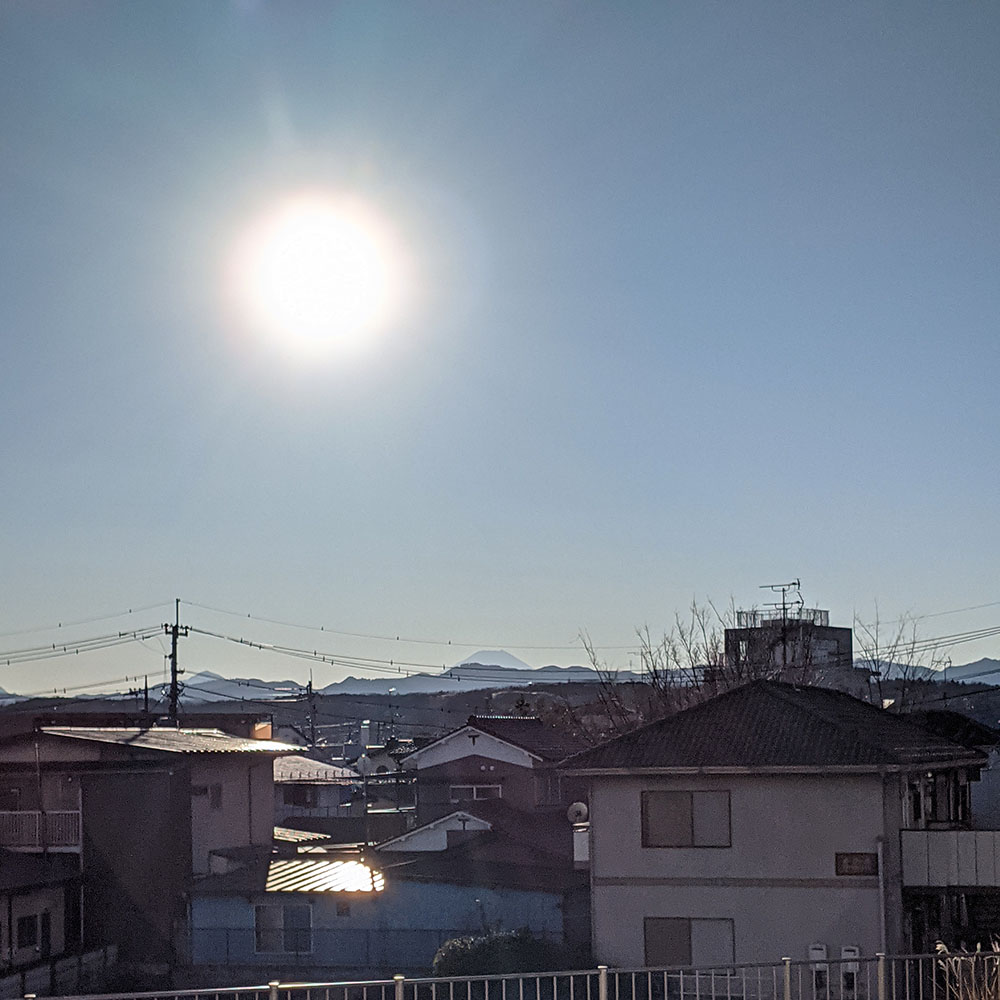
(484, 669)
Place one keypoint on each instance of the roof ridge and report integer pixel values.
(779, 689)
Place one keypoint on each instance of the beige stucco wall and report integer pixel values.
(246, 815)
(777, 881)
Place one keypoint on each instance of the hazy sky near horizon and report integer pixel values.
(704, 296)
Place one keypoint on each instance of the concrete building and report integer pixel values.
(796, 645)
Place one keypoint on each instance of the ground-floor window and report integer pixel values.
(27, 931)
(698, 941)
(283, 928)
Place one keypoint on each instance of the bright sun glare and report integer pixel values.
(317, 274)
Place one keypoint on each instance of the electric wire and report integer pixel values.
(32, 654)
(85, 621)
(392, 638)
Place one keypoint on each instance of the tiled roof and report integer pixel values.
(529, 734)
(490, 860)
(956, 727)
(172, 740)
(767, 724)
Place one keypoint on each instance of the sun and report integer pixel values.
(316, 274)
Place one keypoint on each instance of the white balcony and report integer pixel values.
(951, 857)
(32, 830)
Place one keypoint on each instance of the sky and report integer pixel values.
(700, 297)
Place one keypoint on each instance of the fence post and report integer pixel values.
(602, 982)
(272, 989)
(399, 980)
(881, 974)
(788, 977)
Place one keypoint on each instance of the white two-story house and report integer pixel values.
(762, 823)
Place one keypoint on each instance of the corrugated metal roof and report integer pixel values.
(767, 724)
(300, 875)
(287, 835)
(172, 740)
(302, 769)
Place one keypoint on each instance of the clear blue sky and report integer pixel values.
(708, 298)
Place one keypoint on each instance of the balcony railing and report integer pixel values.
(951, 857)
(33, 830)
(909, 977)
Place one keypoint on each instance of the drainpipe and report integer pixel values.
(43, 838)
(881, 895)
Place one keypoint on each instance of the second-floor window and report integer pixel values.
(467, 793)
(214, 793)
(300, 795)
(685, 819)
(939, 798)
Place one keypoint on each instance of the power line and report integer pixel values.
(50, 651)
(56, 692)
(83, 621)
(391, 638)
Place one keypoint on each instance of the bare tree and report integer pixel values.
(709, 651)
(896, 658)
(680, 668)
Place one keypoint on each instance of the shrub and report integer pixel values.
(970, 975)
(500, 952)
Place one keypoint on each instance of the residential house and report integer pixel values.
(142, 809)
(39, 907)
(513, 758)
(277, 911)
(327, 913)
(776, 821)
(305, 787)
(521, 862)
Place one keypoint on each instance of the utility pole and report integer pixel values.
(312, 713)
(174, 631)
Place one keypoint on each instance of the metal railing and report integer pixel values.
(25, 828)
(347, 949)
(907, 977)
(86, 970)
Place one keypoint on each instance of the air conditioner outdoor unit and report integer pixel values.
(819, 967)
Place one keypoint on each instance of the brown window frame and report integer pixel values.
(647, 834)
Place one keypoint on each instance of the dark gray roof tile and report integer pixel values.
(767, 724)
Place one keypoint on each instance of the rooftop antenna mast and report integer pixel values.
(785, 604)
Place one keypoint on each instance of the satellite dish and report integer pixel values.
(577, 812)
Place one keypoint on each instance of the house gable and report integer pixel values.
(434, 836)
(468, 742)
